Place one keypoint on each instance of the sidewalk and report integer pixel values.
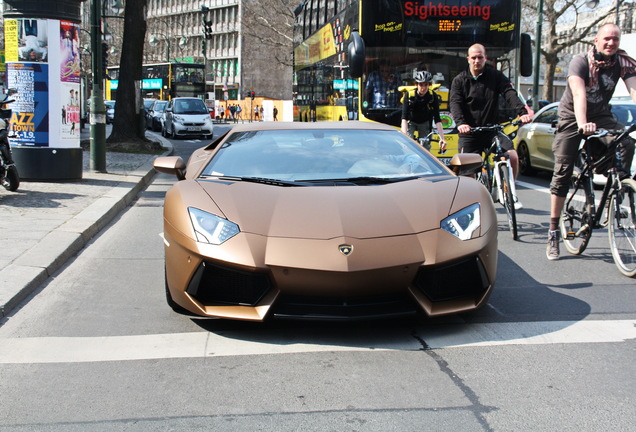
(44, 224)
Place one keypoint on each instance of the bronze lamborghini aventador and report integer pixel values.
(330, 220)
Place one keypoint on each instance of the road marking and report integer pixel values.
(532, 186)
(205, 344)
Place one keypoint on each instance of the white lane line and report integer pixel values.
(204, 344)
(533, 186)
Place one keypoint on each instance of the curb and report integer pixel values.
(29, 271)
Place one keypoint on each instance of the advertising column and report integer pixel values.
(43, 77)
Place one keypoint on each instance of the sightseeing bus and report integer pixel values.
(164, 81)
(338, 44)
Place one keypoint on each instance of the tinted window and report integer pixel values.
(549, 116)
(189, 106)
(624, 113)
(321, 154)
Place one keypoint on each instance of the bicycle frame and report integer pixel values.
(611, 187)
(497, 178)
(582, 215)
(501, 189)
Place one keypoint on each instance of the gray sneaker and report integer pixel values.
(552, 250)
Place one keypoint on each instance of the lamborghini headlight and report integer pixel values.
(209, 228)
(464, 223)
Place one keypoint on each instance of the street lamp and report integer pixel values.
(98, 110)
(153, 41)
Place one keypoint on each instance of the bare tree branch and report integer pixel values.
(554, 42)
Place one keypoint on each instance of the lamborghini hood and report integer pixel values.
(326, 212)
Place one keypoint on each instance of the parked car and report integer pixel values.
(110, 110)
(187, 116)
(327, 220)
(147, 104)
(154, 119)
(534, 140)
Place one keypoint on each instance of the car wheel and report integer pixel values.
(525, 167)
(163, 131)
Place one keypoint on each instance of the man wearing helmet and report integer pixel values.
(421, 110)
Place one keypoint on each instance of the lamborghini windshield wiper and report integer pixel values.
(361, 181)
(261, 180)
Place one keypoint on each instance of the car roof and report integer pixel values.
(186, 98)
(312, 126)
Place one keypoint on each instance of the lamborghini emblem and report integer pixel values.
(345, 249)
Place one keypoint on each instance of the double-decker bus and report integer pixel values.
(338, 44)
(164, 81)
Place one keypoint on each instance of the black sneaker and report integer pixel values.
(552, 249)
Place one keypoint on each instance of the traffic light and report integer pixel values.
(203, 47)
(104, 57)
(252, 94)
(207, 29)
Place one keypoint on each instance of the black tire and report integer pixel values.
(577, 214)
(12, 179)
(508, 201)
(525, 166)
(622, 228)
(485, 177)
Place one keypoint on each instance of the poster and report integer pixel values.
(29, 87)
(70, 111)
(69, 52)
(11, 40)
(33, 41)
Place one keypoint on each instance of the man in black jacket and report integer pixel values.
(474, 99)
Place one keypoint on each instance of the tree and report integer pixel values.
(267, 33)
(554, 42)
(271, 23)
(128, 127)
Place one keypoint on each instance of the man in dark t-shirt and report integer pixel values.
(592, 78)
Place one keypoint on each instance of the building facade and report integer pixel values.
(223, 35)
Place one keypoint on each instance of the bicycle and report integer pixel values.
(497, 177)
(581, 215)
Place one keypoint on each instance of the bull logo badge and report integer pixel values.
(345, 249)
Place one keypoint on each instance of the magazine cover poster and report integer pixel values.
(69, 52)
(30, 111)
(33, 41)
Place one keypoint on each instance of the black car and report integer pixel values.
(154, 117)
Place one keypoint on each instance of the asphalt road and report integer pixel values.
(98, 349)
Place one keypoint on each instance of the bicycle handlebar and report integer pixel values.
(621, 133)
(429, 138)
(496, 127)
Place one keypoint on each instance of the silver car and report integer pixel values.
(187, 116)
(534, 139)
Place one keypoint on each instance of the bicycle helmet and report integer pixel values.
(422, 77)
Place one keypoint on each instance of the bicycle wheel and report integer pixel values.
(508, 200)
(622, 228)
(575, 222)
(485, 178)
